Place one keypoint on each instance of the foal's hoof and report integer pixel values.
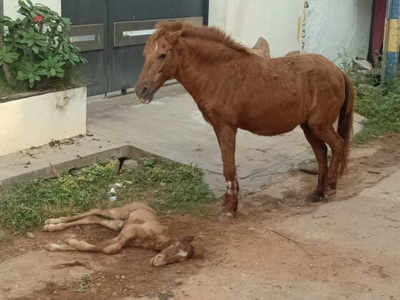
(53, 221)
(52, 247)
(50, 227)
(314, 197)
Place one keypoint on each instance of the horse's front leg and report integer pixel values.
(227, 140)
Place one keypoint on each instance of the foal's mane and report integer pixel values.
(201, 32)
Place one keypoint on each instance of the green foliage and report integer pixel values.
(7, 55)
(36, 47)
(176, 187)
(167, 186)
(380, 105)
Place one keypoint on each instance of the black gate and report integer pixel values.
(111, 35)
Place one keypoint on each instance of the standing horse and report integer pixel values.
(235, 88)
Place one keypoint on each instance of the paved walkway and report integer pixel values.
(171, 126)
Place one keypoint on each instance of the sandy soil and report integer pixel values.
(277, 248)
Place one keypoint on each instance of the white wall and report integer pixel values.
(37, 120)
(330, 27)
(11, 6)
(246, 20)
(338, 27)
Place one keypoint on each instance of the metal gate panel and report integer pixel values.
(88, 37)
(128, 60)
(130, 33)
(89, 18)
(111, 35)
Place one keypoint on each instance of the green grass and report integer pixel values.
(166, 186)
(380, 105)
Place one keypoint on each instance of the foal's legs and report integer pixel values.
(227, 141)
(320, 151)
(106, 213)
(111, 246)
(111, 224)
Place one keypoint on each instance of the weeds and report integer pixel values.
(4, 237)
(166, 186)
(380, 105)
(85, 282)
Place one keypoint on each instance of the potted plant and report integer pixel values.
(40, 96)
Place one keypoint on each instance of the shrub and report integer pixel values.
(36, 49)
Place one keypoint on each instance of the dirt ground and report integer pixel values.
(278, 247)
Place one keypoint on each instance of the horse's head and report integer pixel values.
(161, 62)
(176, 252)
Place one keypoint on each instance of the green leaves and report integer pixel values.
(37, 47)
(30, 72)
(53, 67)
(34, 40)
(7, 55)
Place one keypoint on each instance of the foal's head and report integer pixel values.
(175, 252)
(161, 60)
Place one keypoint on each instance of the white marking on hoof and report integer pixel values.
(182, 253)
(229, 215)
(229, 190)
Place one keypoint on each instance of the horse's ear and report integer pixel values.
(172, 37)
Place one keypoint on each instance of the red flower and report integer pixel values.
(38, 19)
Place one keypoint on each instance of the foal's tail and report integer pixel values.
(345, 124)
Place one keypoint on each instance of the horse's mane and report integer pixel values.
(201, 32)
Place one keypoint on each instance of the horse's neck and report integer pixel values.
(195, 73)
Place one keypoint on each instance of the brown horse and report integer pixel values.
(235, 88)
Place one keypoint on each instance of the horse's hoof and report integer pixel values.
(330, 193)
(226, 215)
(314, 197)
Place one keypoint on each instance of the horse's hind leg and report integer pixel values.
(320, 151)
(336, 143)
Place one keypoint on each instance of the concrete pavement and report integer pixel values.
(172, 127)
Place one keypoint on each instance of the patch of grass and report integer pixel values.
(380, 105)
(166, 186)
(4, 237)
(85, 282)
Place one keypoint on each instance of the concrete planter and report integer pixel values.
(38, 119)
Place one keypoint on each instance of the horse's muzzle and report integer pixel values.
(144, 93)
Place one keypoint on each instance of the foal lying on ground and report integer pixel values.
(137, 224)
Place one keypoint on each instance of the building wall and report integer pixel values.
(37, 120)
(11, 6)
(333, 28)
(246, 20)
(338, 29)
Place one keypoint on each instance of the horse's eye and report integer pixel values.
(162, 56)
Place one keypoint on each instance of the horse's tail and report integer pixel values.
(345, 124)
